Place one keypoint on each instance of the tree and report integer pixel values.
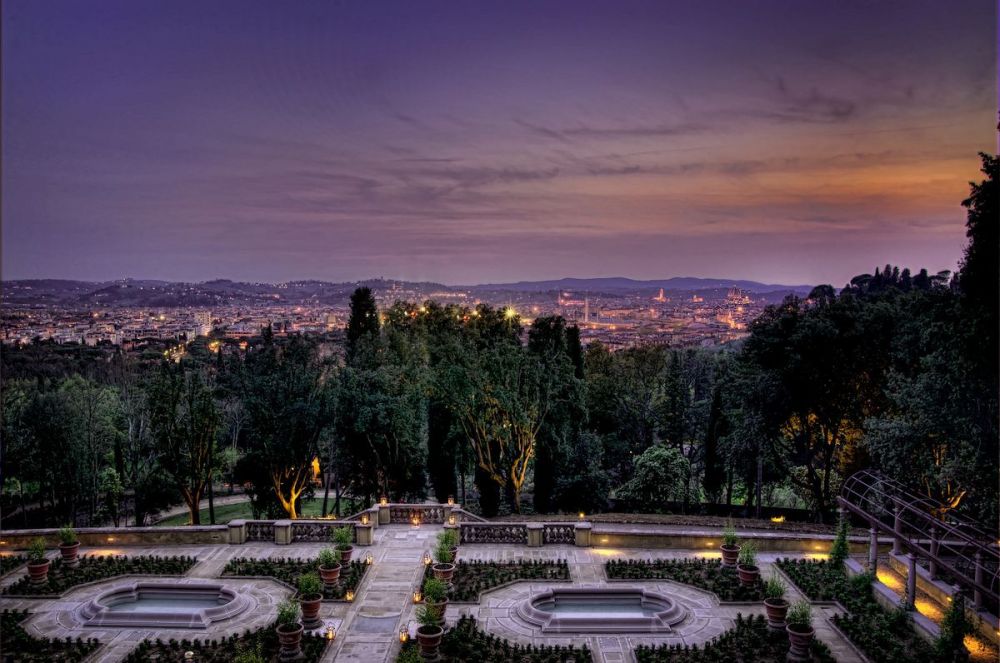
(363, 322)
(658, 478)
(184, 422)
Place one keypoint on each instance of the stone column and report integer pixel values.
(872, 550)
(977, 594)
(911, 581)
(362, 534)
(282, 532)
(237, 532)
(932, 564)
(583, 531)
(383, 514)
(372, 514)
(897, 530)
(535, 537)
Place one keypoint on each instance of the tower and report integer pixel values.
(586, 309)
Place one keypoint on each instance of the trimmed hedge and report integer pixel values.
(10, 562)
(263, 642)
(288, 570)
(707, 574)
(475, 577)
(63, 578)
(17, 645)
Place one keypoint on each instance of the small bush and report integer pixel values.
(67, 535)
(839, 551)
(435, 590)
(36, 551)
(288, 613)
(774, 588)
(729, 537)
(748, 554)
(328, 558)
(342, 537)
(310, 585)
(800, 614)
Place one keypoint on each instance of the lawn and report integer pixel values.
(310, 508)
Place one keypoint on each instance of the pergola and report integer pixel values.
(964, 552)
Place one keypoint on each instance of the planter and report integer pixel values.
(345, 554)
(454, 552)
(438, 609)
(38, 572)
(70, 553)
(429, 638)
(729, 555)
(290, 638)
(330, 575)
(748, 575)
(776, 610)
(799, 640)
(310, 610)
(444, 572)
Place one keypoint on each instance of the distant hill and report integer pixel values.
(618, 284)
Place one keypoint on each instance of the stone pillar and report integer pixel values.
(446, 510)
(583, 531)
(897, 530)
(362, 534)
(872, 550)
(932, 564)
(535, 537)
(372, 514)
(237, 532)
(911, 581)
(282, 532)
(977, 594)
(383, 514)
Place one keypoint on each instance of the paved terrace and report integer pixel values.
(368, 629)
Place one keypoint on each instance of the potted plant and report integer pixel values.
(449, 539)
(310, 596)
(342, 538)
(329, 566)
(800, 631)
(436, 598)
(775, 603)
(69, 546)
(38, 565)
(289, 631)
(443, 569)
(730, 545)
(428, 634)
(747, 567)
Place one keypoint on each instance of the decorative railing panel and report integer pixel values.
(493, 533)
(318, 531)
(260, 530)
(425, 513)
(559, 533)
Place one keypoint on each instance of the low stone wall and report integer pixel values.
(121, 536)
(612, 536)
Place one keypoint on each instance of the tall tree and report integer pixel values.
(363, 323)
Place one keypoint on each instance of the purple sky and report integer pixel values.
(796, 142)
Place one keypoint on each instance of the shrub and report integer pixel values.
(92, 568)
(707, 574)
(342, 537)
(36, 551)
(748, 554)
(426, 617)
(288, 613)
(840, 550)
(448, 538)
(310, 585)
(67, 535)
(328, 558)
(774, 588)
(950, 645)
(442, 554)
(729, 537)
(800, 614)
(435, 590)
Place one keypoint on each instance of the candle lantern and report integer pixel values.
(427, 559)
(349, 596)
(403, 635)
(384, 501)
(331, 632)
(364, 519)
(417, 597)
(451, 501)
(369, 559)
(452, 520)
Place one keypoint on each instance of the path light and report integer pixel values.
(189, 656)
(384, 501)
(349, 596)
(369, 559)
(777, 519)
(582, 514)
(427, 559)
(111, 539)
(451, 500)
(331, 632)
(416, 521)
(451, 519)
(364, 519)
(417, 596)
(403, 635)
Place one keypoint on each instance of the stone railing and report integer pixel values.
(424, 513)
(319, 531)
(493, 533)
(258, 530)
(559, 533)
(532, 534)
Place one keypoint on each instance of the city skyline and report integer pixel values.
(785, 142)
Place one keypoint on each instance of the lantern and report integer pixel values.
(417, 596)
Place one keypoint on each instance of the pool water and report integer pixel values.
(632, 605)
(155, 604)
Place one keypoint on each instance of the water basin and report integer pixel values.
(601, 610)
(146, 604)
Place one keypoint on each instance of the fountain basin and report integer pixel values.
(601, 610)
(156, 605)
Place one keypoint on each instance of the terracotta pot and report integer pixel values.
(444, 572)
(748, 575)
(776, 610)
(38, 572)
(330, 575)
(310, 610)
(799, 640)
(454, 553)
(290, 638)
(729, 555)
(345, 554)
(438, 609)
(70, 553)
(429, 638)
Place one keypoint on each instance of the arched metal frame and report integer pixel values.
(967, 552)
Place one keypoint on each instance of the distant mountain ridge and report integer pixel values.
(621, 283)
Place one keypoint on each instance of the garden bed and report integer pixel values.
(288, 570)
(883, 635)
(263, 643)
(466, 642)
(750, 641)
(10, 562)
(475, 577)
(91, 569)
(17, 645)
(707, 574)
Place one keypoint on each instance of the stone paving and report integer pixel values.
(368, 629)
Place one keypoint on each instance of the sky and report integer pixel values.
(471, 142)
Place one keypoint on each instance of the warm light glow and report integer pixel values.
(451, 501)
(364, 519)
(509, 313)
(581, 515)
(111, 539)
(403, 635)
(451, 519)
(819, 557)
(889, 580)
(978, 649)
(929, 609)
(383, 500)
(331, 633)
(417, 597)
(608, 552)
(708, 555)
(416, 521)
(427, 559)
(778, 519)
(369, 559)
(349, 596)
(710, 544)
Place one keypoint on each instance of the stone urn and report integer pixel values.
(310, 610)
(438, 610)
(345, 554)
(748, 574)
(330, 575)
(429, 639)
(38, 572)
(444, 572)
(799, 641)
(454, 552)
(776, 610)
(290, 639)
(729, 555)
(70, 554)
